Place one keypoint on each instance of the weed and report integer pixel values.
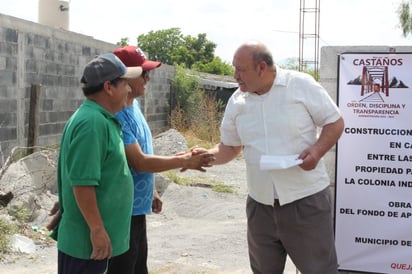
(223, 188)
(215, 185)
(7, 229)
(183, 181)
(195, 114)
(20, 213)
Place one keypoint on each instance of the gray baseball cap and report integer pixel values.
(107, 67)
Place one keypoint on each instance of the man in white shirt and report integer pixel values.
(277, 112)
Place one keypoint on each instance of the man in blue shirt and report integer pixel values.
(137, 139)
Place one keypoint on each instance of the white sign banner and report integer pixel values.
(373, 220)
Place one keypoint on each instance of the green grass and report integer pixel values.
(20, 213)
(7, 229)
(223, 188)
(183, 181)
(202, 181)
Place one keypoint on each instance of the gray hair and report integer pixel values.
(261, 53)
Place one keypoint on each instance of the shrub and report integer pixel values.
(195, 114)
(7, 229)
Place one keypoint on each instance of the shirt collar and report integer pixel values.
(280, 79)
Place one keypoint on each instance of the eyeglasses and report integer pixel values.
(145, 74)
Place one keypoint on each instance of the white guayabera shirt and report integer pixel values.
(282, 122)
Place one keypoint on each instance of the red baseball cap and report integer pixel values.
(133, 56)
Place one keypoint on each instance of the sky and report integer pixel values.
(229, 23)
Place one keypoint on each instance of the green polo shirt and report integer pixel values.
(92, 154)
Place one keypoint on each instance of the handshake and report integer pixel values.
(196, 158)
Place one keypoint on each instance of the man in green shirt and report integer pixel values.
(94, 182)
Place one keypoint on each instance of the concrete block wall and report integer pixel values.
(32, 53)
(156, 102)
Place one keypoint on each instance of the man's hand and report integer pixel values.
(328, 137)
(55, 212)
(102, 246)
(196, 158)
(157, 202)
(310, 158)
(87, 203)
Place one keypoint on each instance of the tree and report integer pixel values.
(162, 45)
(123, 42)
(216, 66)
(293, 64)
(290, 63)
(171, 47)
(405, 18)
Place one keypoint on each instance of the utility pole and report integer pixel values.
(309, 21)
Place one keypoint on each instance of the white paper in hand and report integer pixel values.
(268, 162)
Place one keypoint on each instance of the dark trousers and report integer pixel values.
(70, 265)
(133, 261)
(302, 229)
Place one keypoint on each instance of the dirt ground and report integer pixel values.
(199, 230)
